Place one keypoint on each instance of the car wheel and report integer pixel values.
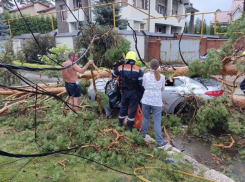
(182, 108)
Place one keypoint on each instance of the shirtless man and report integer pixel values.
(69, 75)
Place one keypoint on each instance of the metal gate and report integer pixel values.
(170, 50)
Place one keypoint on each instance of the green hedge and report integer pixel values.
(18, 63)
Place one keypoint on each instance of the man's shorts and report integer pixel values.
(73, 89)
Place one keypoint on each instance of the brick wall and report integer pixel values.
(154, 44)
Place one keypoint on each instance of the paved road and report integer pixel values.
(230, 79)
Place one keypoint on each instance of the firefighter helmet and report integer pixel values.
(131, 55)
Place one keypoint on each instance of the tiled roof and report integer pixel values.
(222, 17)
(46, 10)
(235, 4)
(27, 6)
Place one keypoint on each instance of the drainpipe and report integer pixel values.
(149, 12)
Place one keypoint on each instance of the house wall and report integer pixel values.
(65, 40)
(29, 10)
(140, 44)
(135, 17)
(54, 14)
(237, 15)
(62, 25)
(38, 7)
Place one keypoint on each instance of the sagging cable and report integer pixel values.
(32, 32)
(43, 69)
(135, 40)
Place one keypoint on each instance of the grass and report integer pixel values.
(18, 63)
(77, 169)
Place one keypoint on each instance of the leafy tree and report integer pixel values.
(104, 14)
(6, 4)
(6, 77)
(198, 25)
(106, 50)
(32, 50)
(186, 30)
(4, 29)
(211, 32)
(205, 28)
(219, 28)
(195, 30)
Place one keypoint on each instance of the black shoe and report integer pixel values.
(120, 122)
(130, 128)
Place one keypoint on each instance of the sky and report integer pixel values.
(210, 6)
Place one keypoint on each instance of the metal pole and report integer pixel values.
(215, 22)
(202, 25)
(52, 22)
(114, 16)
(10, 33)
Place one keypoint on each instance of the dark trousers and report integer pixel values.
(242, 86)
(129, 100)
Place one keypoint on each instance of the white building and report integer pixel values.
(156, 8)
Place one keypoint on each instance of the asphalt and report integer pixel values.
(230, 79)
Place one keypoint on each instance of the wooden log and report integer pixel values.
(239, 101)
(5, 108)
(52, 90)
(97, 74)
(229, 70)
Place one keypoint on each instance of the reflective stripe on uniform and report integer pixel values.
(130, 119)
(122, 117)
(128, 69)
(114, 74)
(140, 78)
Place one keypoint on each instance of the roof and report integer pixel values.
(27, 6)
(222, 17)
(191, 10)
(235, 4)
(46, 10)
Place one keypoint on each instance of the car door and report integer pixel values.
(171, 96)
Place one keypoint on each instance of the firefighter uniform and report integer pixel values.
(130, 83)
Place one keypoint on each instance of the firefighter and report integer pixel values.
(130, 83)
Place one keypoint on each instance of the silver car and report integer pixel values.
(174, 92)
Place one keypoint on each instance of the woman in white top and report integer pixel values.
(154, 84)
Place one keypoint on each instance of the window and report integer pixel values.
(136, 26)
(160, 28)
(139, 26)
(64, 13)
(142, 4)
(161, 9)
(142, 26)
(75, 3)
(175, 8)
(122, 4)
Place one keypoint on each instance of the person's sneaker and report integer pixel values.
(148, 139)
(164, 144)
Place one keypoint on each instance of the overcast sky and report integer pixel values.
(210, 6)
